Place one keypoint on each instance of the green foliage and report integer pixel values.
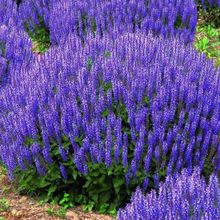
(208, 42)
(207, 38)
(3, 170)
(178, 23)
(102, 189)
(210, 15)
(40, 36)
(65, 202)
(89, 64)
(2, 49)
(107, 54)
(203, 44)
(61, 212)
(4, 206)
(5, 189)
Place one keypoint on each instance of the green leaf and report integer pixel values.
(89, 63)
(65, 138)
(117, 183)
(112, 209)
(105, 113)
(107, 54)
(107, 86)
(103, 208)
(43, 183)
(51, 190)
(95, 198)
(89, 206)
(88, 183)
(79, 140)
(146, 100)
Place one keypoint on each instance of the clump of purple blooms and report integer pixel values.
(169, 94)
(180, 197)
(166, 17)
(15, 45)
(119, 85)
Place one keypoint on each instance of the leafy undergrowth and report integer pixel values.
(101, 189)
(208, 42)
(40, 36)
(207, 38)
(15, 206)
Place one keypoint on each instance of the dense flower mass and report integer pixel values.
(120, 85)
(173, 17)
(34, 12)
(9, 14)
(154, 99)
(15, 45)
(183, 197)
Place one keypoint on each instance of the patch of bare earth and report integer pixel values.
(19, 207)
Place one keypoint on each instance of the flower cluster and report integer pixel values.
(33, 13)
(142, 101)
(181, 197)
(173, 17)
(9, 14)
(15, 45)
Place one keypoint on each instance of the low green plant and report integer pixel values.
(4, 205)
(208, 42)
(66, 201)
(102, 189)
(203, 44)
(5, 189)
(50, 211)
(40, 36)
(61, 212)
(3, 169)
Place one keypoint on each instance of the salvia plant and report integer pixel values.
(145, 102)
(119, 95)
(180, 197)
